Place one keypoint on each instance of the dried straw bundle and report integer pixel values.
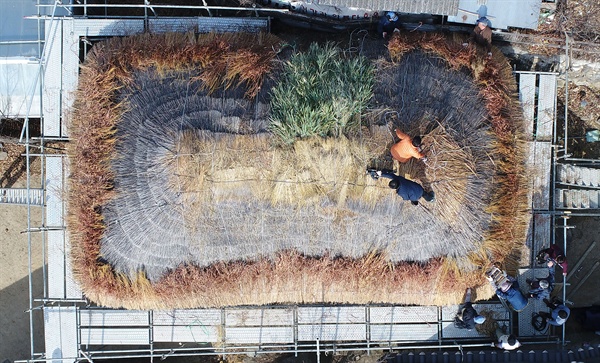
(97, 111)
(508, 206)
(298, 223)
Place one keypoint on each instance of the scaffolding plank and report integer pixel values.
(402, 314)
(83, 27)
(72, 289)
(54, 185)
(541, 232)
(209, 24)
(56, 263)
(60, 333)
(185, 334)
(195, 317)
(533, 306)
(539, 164)
(259, 317)
(63, 284)
(450, 331)
(108, 318)
(52, 79)
(259, 335)
(115, 336)
(404, 332)
(527, 98)
(332, 332)
(546, 107)
(70, 70)
(331, 314)
(500, 312)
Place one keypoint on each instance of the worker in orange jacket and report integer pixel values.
(407, 148)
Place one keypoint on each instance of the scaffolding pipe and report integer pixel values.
(239, 351)
(166, 6)
(318, 352)
(29, 257)
(567, 65)
(564, 290)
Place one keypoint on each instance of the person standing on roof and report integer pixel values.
(406, 189)
(482, 34)
(388, 24)
(541, 289)
(407, 148)
(553, 253)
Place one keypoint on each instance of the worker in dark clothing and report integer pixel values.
(467, 317)
(388, 24)
(540, 289)
(554, 254)
(482, 34)
(406, 189)
(559, 314)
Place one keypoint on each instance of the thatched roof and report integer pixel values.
(199, 198)
(191, 190)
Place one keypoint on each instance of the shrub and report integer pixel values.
(322, 93)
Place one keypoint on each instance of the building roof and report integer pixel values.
(438, 7)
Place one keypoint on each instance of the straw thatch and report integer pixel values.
(181, 198)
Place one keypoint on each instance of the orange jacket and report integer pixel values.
(403, 150)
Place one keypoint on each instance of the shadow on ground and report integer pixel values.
(14, 321)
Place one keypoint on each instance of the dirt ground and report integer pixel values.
(14, 282)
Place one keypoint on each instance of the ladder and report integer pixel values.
(577, 176)
(577, 198)
(21, 195)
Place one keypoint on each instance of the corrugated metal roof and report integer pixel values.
(437, 7)
(501, 13)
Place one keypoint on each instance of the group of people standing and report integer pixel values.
(507, 287)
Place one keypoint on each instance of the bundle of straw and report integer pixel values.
(181, 198)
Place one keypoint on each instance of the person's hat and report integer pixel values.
(391, 16)
(479, 319)
(416, 141)
(483, 20)
(544, 284)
